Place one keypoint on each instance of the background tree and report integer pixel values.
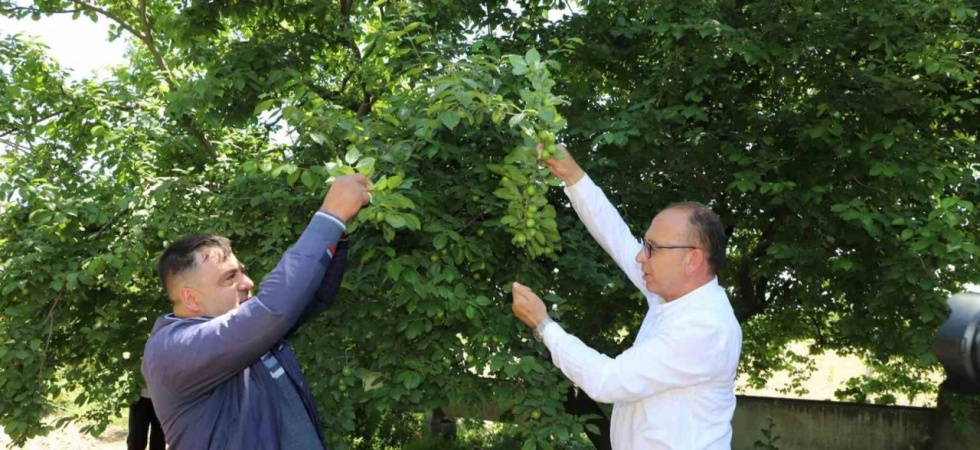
(836, 140)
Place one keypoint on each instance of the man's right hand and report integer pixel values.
(563, 166)
(347, 196)
(528, 307)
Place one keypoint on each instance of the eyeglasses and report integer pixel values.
(650, 247)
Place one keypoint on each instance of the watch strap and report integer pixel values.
(539, 329)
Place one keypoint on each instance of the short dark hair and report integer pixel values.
(708, 230)
(179, 256)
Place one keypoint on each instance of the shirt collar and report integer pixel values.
(172, 317)
(692, 299)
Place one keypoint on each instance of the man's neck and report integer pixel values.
(692, 284)
(183, 313)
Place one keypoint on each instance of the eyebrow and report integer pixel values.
(227, 273)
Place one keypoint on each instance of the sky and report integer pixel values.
(81, 46)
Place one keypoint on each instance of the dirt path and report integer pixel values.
(114, 438)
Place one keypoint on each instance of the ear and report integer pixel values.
(693, 261)
(189, 299)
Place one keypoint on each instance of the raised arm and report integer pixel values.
(198, 353)
(326, 293)
(599, 216)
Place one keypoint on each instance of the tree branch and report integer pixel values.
(366, 103)
(108, 225)
(126, 26)
(151, 45)
(147, 38)
(47, 340)
(816, 326)
(32, 124)
(16, 146)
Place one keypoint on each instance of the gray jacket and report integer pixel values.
(210, 388)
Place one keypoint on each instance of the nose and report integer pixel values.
(641, 255)
(246, 284)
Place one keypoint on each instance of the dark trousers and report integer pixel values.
(143, 421)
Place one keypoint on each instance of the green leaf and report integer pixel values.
(262, 106)
(396, 221)
(366, 166)
(72, 282)
(449, 118)
(291, 178)
(548, 115)
(412, 222)
(519, 67)
(352, 155)
(530, 444)
(393, 182)
(308, 179)
(532, 57)
(394, 269)
(439, 241)
(888, 141)
(506, 193)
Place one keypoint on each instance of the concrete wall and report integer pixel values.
(817, 425)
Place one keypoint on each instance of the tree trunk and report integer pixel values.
(441, 426)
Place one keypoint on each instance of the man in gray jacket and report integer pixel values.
(219, 369)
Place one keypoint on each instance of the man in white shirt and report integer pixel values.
(675, 387)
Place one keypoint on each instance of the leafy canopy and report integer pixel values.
(836, 140)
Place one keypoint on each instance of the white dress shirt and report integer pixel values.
(675, 387)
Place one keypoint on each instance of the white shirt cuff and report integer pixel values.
(584, 183)
(552, 333)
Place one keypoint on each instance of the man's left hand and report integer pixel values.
(527, 306)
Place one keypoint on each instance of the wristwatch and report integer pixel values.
(540, 328)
